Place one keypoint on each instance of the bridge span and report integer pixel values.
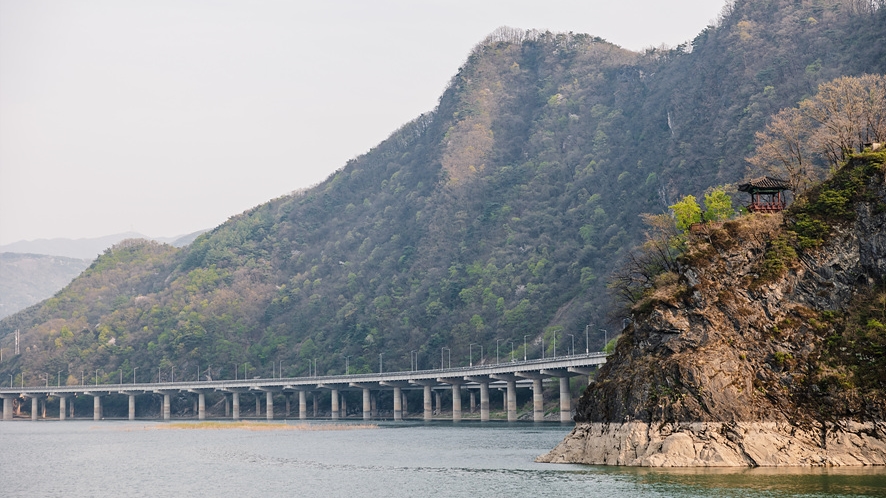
(507, 376)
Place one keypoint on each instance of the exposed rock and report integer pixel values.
(733, 370)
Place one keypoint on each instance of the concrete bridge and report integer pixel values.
(508, 376)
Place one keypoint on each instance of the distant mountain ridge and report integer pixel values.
(27, 279)
(89, 248)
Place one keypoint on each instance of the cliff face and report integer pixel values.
(747, 358)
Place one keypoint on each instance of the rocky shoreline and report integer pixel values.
(712, 444)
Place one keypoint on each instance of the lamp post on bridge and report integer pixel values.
(380, 370)
(496, 351)
(59, 381)
(443, 365)
(524, 347)
(348, 365)
(573, 344)
(605, 337)
(512, 348)
(587, 340)
(96, 375)
(471, 353)
(413, 360)
(134, 369)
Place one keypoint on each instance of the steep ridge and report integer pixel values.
(498, 215)
(756, 356)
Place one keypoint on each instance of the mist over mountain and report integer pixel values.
(493, 220)
(88, 248)
(27, 279)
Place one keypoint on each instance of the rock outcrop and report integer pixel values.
(745, 358)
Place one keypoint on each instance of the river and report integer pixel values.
(147, 458)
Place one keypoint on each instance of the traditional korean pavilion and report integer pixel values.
(767, 194)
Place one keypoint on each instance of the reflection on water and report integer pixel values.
(111, 458)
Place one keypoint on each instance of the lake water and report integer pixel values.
(143, 458)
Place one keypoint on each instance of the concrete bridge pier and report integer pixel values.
(227, 406)
(132, 407)
(96, 407)
(510, 400)
(62, 407)
(257, 405)
(344, 405)
(473, 401)
(398, 403)
(7, 406)
(428, 407)
(269, 404)
(201, 406)
(565, 400)
(456, 402)
(314, 404)
(235, 405)
(374, 403)
(288, 406)
(438, 398)
(484, 402)
(367, 404)
(538, 401)
(335, 405)
(302, 405)
(35, 407)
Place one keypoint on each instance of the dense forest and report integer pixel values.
(493, 220)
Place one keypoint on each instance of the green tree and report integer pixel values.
(686, 212)
(718, 205)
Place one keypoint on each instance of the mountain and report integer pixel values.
(767, 349)
(492, 220)
(27, 279)
(88, 248)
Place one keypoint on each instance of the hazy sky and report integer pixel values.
(165, 117)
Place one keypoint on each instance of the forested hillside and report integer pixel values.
(494, 218)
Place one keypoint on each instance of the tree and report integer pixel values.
(687, 212)
(802, 142)
(718, 205)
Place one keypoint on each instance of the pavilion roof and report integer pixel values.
(764, 183)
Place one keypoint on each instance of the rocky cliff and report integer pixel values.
(768, 348)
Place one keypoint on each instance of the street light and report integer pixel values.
(524, 347)
(96, 375)
(133, 374)
(605, 337)
(347, 365)
(496, 351)
(512, 348)
(413, 360)
(59, 381)
(587, 340)
(573, 343)
(442, 365)
(121, 376)
(471, 353)
(380, 363)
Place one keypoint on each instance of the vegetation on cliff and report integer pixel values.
(766, 321)
(492, 218)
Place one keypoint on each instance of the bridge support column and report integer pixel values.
(314, 403)
(473, 401)
(35, 407)
(302, 405)
(258, 404)
(132, 407)
(439, 399)
(96, 407)
(344, 405)
(538, 401)
(565, 400)
(235, 403)
(201, 406)
(7, 407)
(167, 407)
(374, 401)
(62, 407)
(512, 400)
(269, 405)
(429, 409)
(335, 409)
(398, 403)
(367, 404)
(405, 404)
(288, 407)
(484, 402)
(227, 406)
(456, 402)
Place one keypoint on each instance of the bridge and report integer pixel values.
(507, 376)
